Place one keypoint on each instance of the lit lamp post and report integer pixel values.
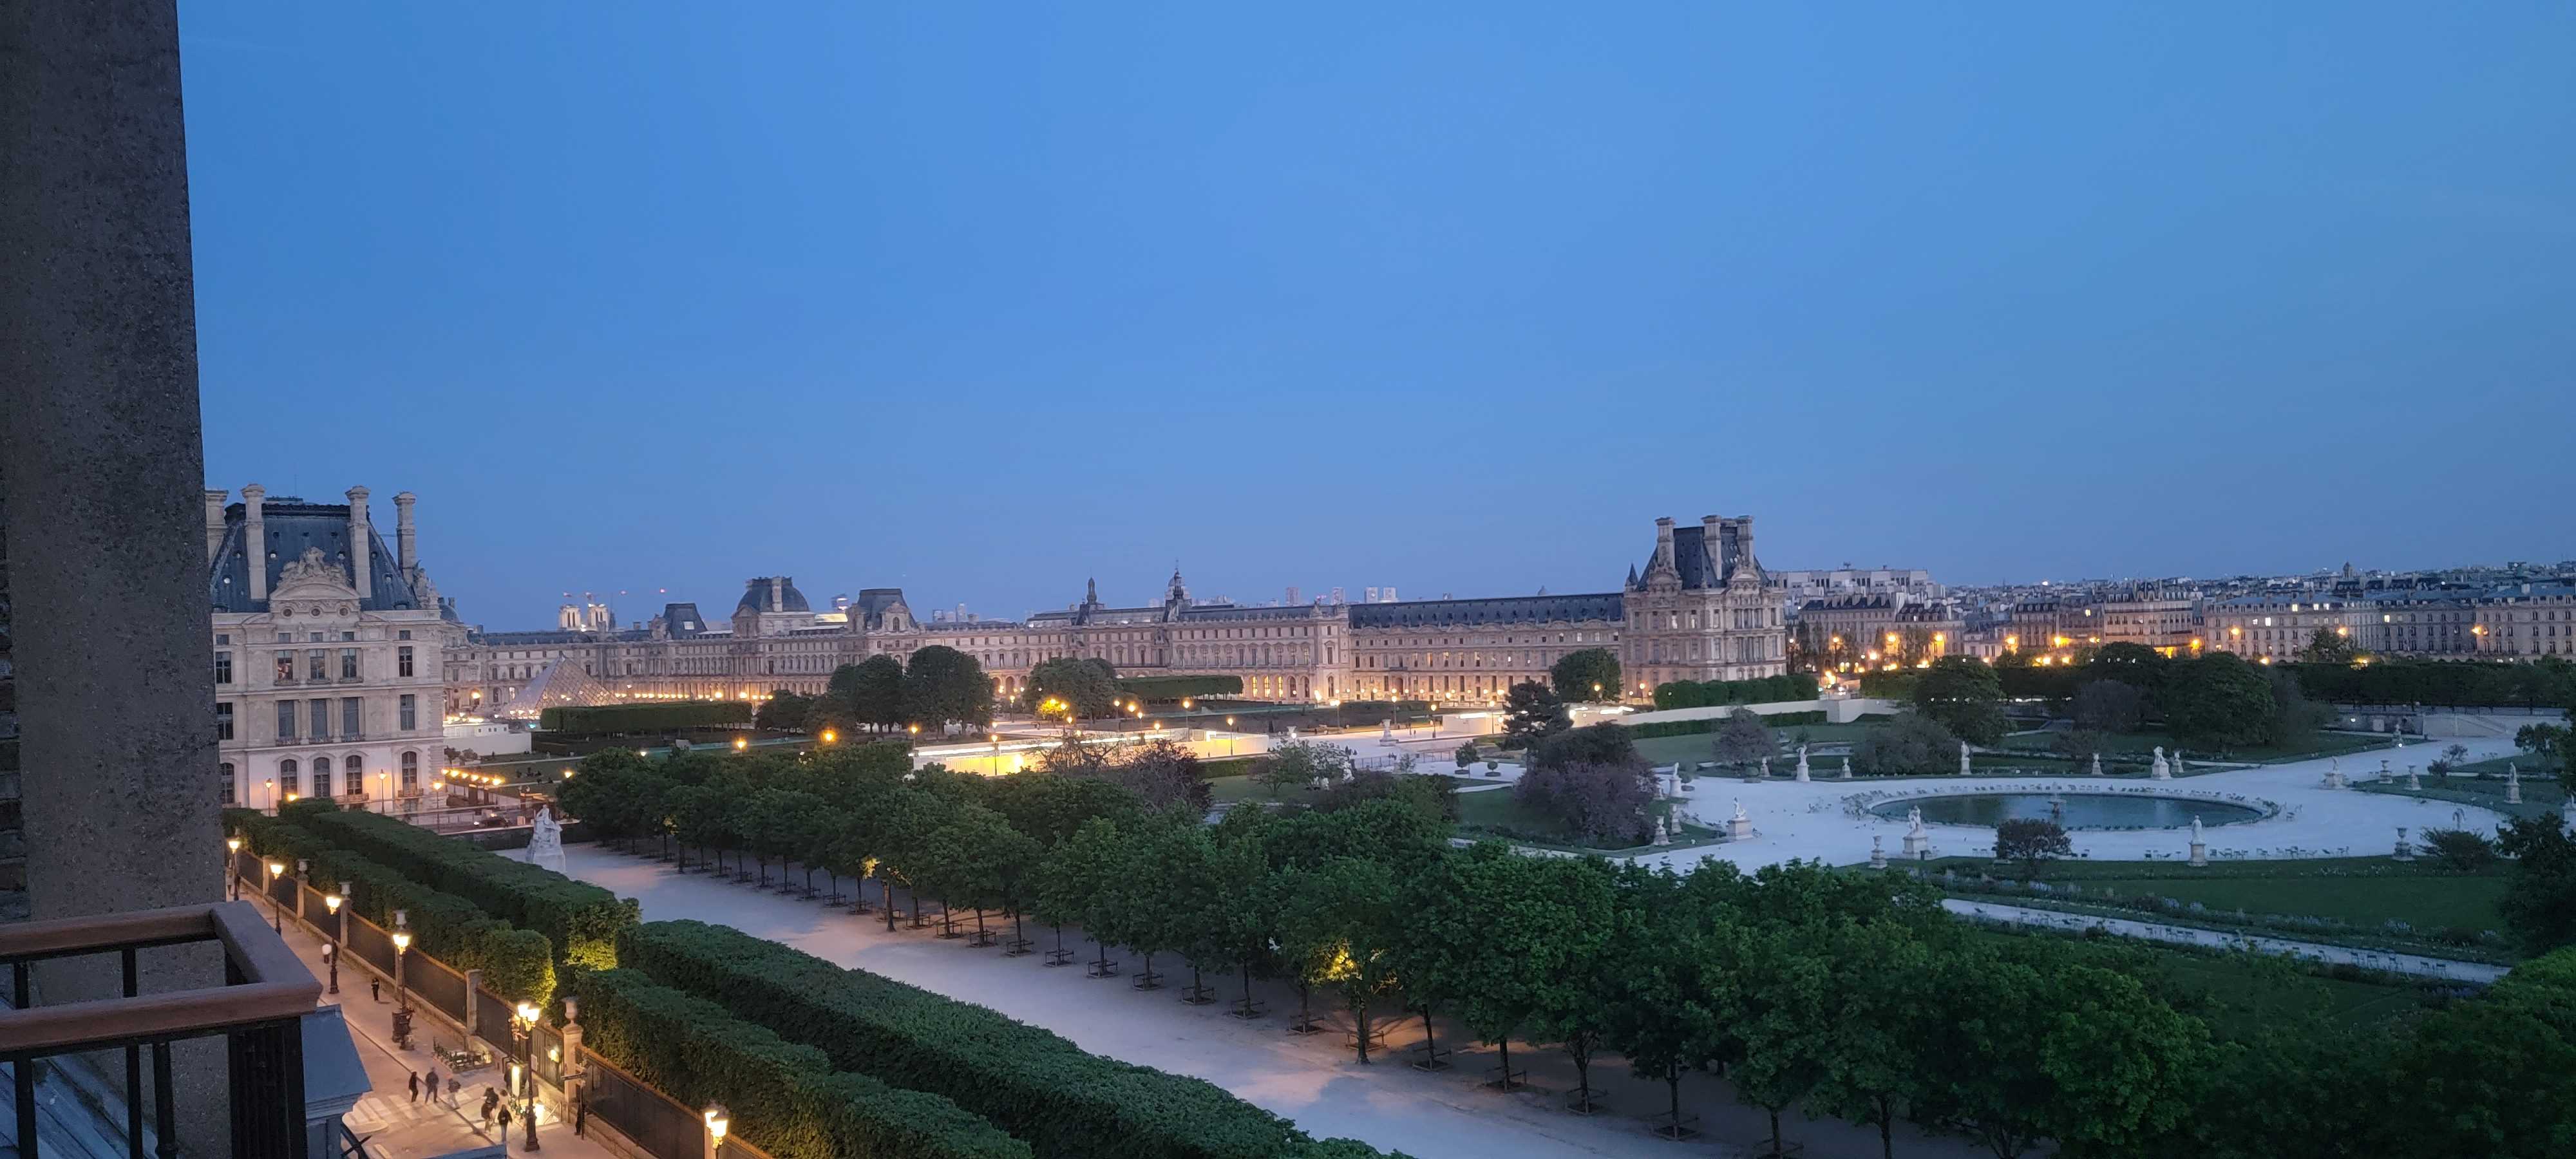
(718, 1121)
(232, 864)
(276, 913)
(525, 1026)
(402, 944)
(339, 932)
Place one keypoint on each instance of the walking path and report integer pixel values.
(394, 1125)
(1313, 1080)
(2413, 964)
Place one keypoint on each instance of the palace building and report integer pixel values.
(1697, 610)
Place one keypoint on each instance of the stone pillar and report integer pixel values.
(255, 538)
(359, 537)
(215, 521)
(406, 540)
(100, 454)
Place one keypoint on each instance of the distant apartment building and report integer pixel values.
(2275, 627)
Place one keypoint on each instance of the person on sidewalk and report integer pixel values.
(376, 989)
(452, 1087)
(581, 1112)
(433, 1083)
(415, 1085)
(491, 1099)
(505, 1122)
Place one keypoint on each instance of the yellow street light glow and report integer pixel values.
(740, 743)
(527, 1013)
(829, 736)
(331, 902)
(402, 940)
(233, 843)
(718, 1121)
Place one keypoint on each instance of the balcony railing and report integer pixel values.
(259, 1012)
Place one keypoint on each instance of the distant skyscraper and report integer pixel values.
(1293, 593)
(1368, 595)
(1338, 597)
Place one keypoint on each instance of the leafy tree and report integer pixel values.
(1079, 880)
(2327, 646)
(1350, 904)
(1743, 740)
(1598, 804)
(1965, 696)
(1091, 688)
(1297, 764)
(1049, 808)
(1532, 713)
(1662, 1013)
(871, 691)
(2295, 718)
(1489, 925)
(1775, 1005)
(1599, 744)
(784, 711)
(1162, 775)
(2459, 849)
(2109, 706)
(2136, 665)
(942, 684)
(2547, 742)
(2488, 1076)
(1436, 798)
(1587, 674)
(1912, 743)
(1881, 976)
(2031, 840)
(1568, 1007)
(2539, 902)
(2076, 744)
(2219, 700)
(1466, 755)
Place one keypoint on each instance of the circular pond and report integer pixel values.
(2072, 810)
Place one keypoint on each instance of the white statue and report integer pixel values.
(2195, 827)
(1846, 768)
(1802, 763)
(2177, 762)
(1963, 758)
(1766, 768)
(1663, 834)
(2160, 770)
(1292, 732)
(1918, 844)
(2413, 781)
(2097, 764)
(1386, 730)
(2512, 783)
(1914, 818)
(1739, 811)
(545, 842)
(2199, 847)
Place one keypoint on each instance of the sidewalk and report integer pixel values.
(395, 1127)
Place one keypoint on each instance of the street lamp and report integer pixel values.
(718, 1121)
(276, 913)
(526, 1027)
(402, 998)
(232, 863)
(339, 931)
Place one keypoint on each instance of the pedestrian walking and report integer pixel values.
(580, 1111)
(452, 1086)
(433, 1082)
(491, 1099)
(376, 989)
(415, 1087)
(505, 1121)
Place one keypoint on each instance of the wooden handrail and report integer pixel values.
(277, 986)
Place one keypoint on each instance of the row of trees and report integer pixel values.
(2215, 700)
(1809, 990)
(938, 687)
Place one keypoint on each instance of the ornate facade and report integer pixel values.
(327, 650)
(1697, 611)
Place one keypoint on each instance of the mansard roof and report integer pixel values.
(1505, 610)
(291, 526)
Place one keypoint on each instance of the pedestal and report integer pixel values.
(2200, 853)
(1917, 845)
(1877, 856)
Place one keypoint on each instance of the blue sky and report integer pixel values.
(981, 300)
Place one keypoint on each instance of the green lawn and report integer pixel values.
(2539, 798)
(2145, 743)
(2360, 891)
(2240, 994)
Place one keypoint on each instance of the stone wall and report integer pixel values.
(13, 833)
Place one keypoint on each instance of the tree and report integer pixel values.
(2329, 646)
(2488, 1076)
(1298, 763)
(2031, 840)
(2460, 850)
(1466, 755)
(2109, 706)
(1602, 805)
(2135, 665)
(2219, 700)
(1774, 1003)
(1911, 744)
(1089, 687)
(1163, 775)
(942, 684)
(2295, 718)
(1880, 975)
(1488, 925)
(1965, 696)
(871, 691)
(1078, 884)
(2539, 902)
(1661, 1011)
(1743, 741)
(1532, 713)
(1587, 674)
(1567, 1007)
(1350, 903)
(784, 711)
(1599, 744)
(2548, 743)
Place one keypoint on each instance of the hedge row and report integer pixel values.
(579, 919)
(670, 716)
(1033, 1083)
(786, 1098)
(1711, 724)
(517, 964)
(1172, 688)
(1703, 693)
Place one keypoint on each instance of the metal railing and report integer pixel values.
(259, 1012)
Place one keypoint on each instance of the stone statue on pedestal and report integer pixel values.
(1846, 768)
(1802, 763)
(2413, 781)
(1917, 842)
(2097, 764)
(2160, 770)
(2512, 783)
(1877, 854)
(1739, 826)
(2199, 846)
(545, 842)
(1963, 758)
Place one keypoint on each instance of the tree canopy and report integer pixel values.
(1586, 674)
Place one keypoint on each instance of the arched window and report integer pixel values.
(411, 772)
(321, 776)
(227, 769)
(287, 781)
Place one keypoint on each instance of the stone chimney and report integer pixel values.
(215, 521)
(255, 539)
(1664, 542)
(777, 598)
(360, 543)
(406, 540)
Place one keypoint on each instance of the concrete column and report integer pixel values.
(100, 455)
(255, 538)
(406, 540)
(359, 535)
(215, 521)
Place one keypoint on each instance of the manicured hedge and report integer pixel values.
(670, 716)
(580, 920)
(785, 1098)
(517, 964)
(1711, 724)
(1033, 1083)
(1703, 693)
(1161, 688)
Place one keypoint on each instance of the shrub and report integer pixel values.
(2459, 849)
(786, 1097)
(579, 919)
(1030, 1082)
(1912, 744)
(672, 716)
